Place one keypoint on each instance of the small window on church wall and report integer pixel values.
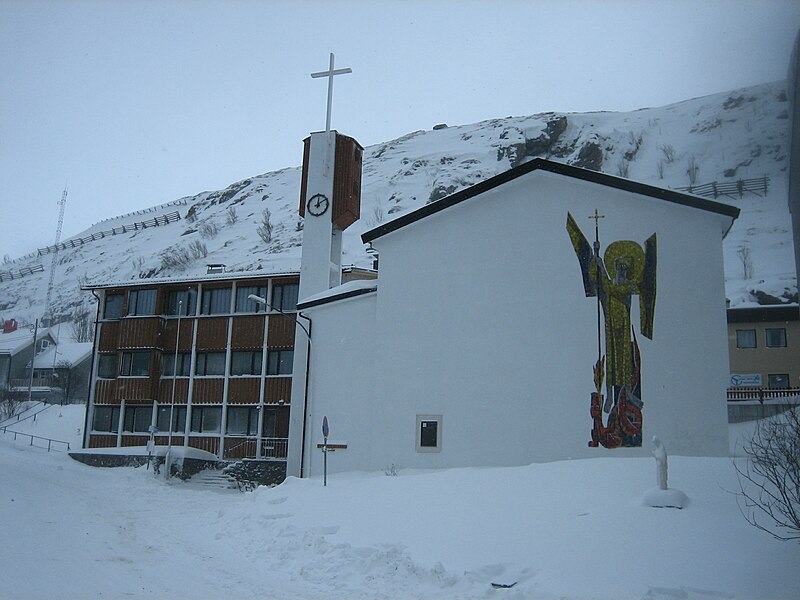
(429, 433)
(745, 338)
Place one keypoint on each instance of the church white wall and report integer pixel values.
(481, 317)
(341, 383)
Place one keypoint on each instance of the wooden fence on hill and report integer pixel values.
(731, 189)
(74, 242)
(25, 271)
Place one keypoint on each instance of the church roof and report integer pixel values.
(561, 169)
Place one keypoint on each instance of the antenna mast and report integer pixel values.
(62, 205)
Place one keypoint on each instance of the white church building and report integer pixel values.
(547, 313)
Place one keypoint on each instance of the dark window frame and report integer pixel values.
(178, 417)
(184, 364)
(216, 301)
(773, 383)
(189, 298)
(740, 339)
(279, 360)
(250, 420)
(781, 331)
(104, 360)
(132, 361)
(113, 303)
(243, 304)
(246, 363)
(284, 296)
(138, 418)
(203, 414)
(109, 414)
(142, 302)
(201, 368)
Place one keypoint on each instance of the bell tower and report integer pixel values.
(330, 201)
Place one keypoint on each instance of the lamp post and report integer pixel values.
(33, 359)
(172, 398)
(268, 306)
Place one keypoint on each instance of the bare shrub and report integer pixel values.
(82, 322)
(692, 168)
(668, 152)
(623, 167)
(208, 229)
(11, 403)
(265, 229)
(175, 257)
(747, 262)
(769, 483)
(230, 215)
(198, 249)
(660, 169)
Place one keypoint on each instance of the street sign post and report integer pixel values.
(325, 431)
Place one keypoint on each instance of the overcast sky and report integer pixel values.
(136, 103)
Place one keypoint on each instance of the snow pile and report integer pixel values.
(573, 530)
(721, 138)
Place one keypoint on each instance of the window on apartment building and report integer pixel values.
(107, 366)
(168, 364)
(284, 296)
(776, 338)
(178, 418)
(279, 362)
(112, 306)
(246, 363)
(181, 301)
(216, 301)
(210, 363)
(142, 302)
(745, 338)
(137, 418)
(429, 433)
(206, 419)
(106, 419)
(242, 420)
(135, 364)
(270, 427)
(243, 302)
(778, 381)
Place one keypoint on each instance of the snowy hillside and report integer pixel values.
(721, 138)
(575, 530)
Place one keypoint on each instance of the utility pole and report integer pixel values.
(62, 206)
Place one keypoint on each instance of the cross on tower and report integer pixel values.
(330, 74)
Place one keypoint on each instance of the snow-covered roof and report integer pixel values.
(15, 341)
(225, 276)
(350, 289)
(70, 352)
(560, 169)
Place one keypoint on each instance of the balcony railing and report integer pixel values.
(741, 394)
(38, 382)
(275, 448)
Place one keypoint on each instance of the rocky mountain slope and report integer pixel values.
(721, 138)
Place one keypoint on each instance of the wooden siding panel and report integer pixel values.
(134, 440)
(169, 332)
(109, 332)
(105, 391)
(181, 391)
(248, 333)
(207, 391)
(209, 444)
(346, 182)
(163, 440)
(212, 333)
(243, 390)
(102, 441)
(139, 332)
(280, 331)
(277, 389)
(236, 447)
(135, 389)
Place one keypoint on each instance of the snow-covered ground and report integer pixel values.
(570, 530)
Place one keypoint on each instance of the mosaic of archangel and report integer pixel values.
(625, 269)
